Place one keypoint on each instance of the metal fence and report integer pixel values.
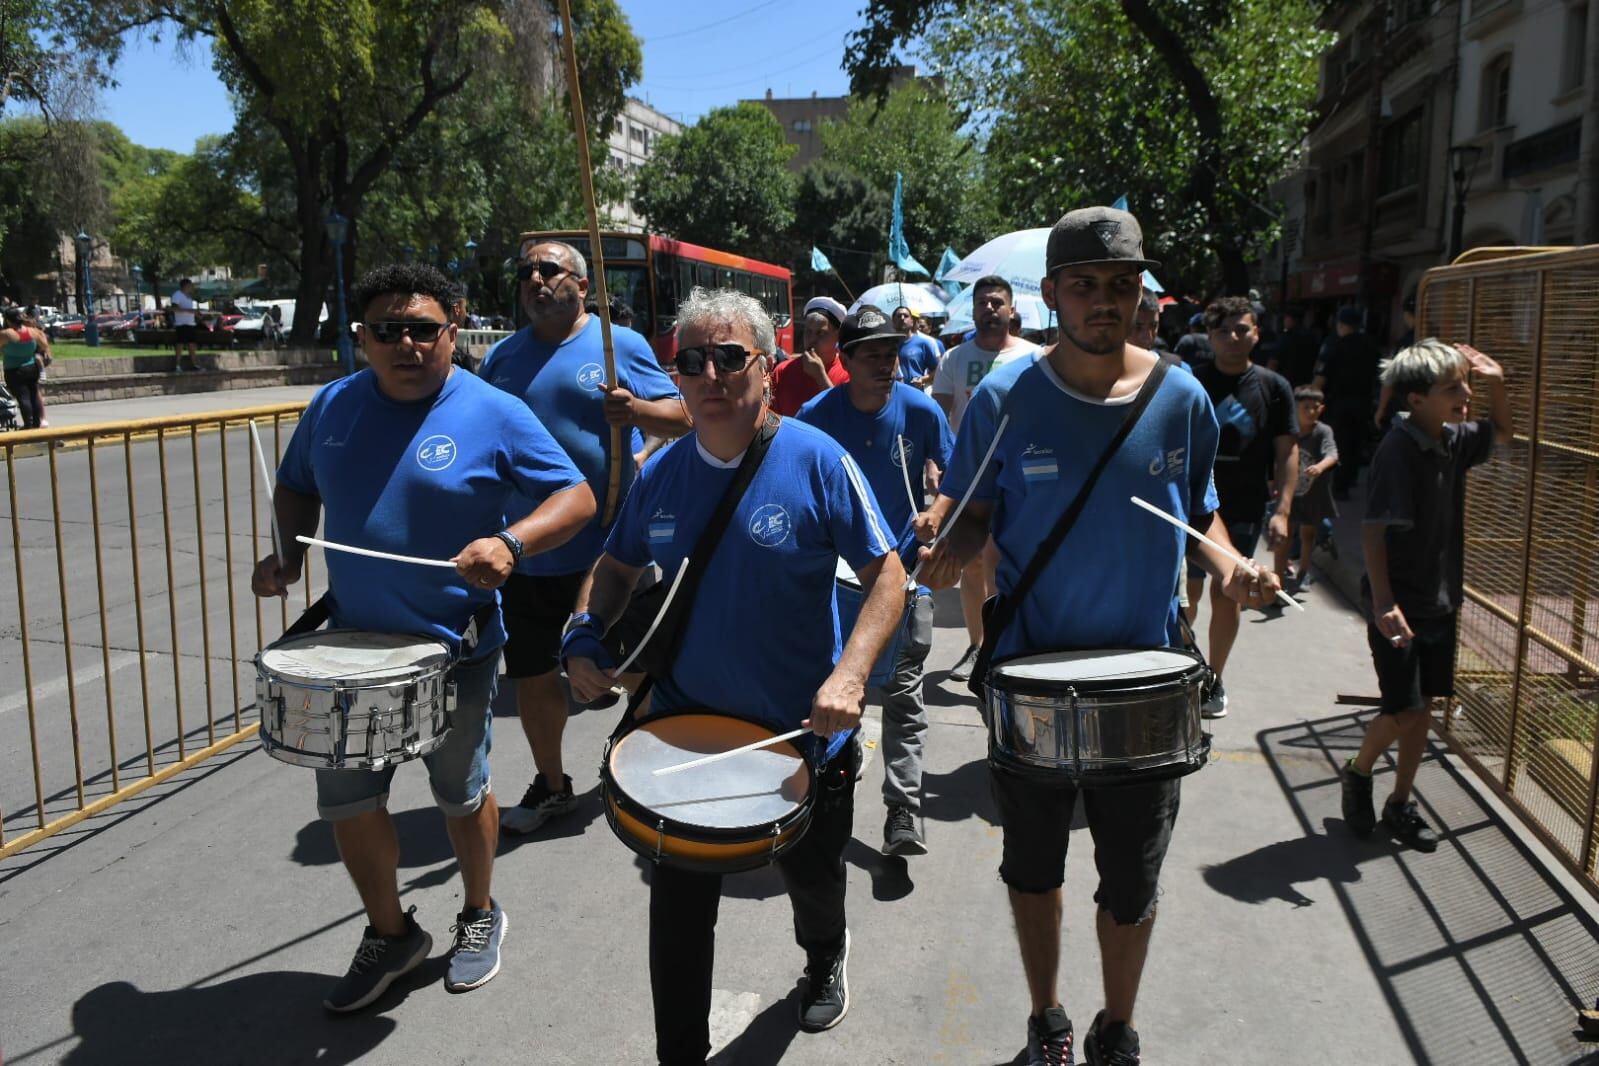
(1528, 659)
(130, 641)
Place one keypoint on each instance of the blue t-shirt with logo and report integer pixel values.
(1112, 583)
(891, 446)
(561, 383)
(426, 479)
(918, 356)
(806, 507)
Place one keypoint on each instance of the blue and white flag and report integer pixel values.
(898, 251)
(945, 264)
(819, 261)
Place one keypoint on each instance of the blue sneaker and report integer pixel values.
(475, 957)
(378, 963)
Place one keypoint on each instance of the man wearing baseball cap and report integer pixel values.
(1110, 585)
(815, 369)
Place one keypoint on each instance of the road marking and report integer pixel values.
(86, 675)
(731, 1014)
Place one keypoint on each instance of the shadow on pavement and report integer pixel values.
(239, 1021)
(590, 809)
(765, 1041)
(960, 794)
(1481, 954)
(890, 874)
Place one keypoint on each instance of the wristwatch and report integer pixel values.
(509, 539)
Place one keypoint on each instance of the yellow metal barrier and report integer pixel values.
(1528, 659)
(59, 540)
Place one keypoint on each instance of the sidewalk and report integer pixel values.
(63, 415)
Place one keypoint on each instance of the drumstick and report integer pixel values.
(961, 506)
(707, 760)
(1234, 556)
(905, 468)
(682, 569)
(266, 476)
(331, 546)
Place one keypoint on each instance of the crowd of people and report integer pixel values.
(920, 468)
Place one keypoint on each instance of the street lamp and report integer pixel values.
(138, 291)
(338, 230)
(1463, 160)
(471, 266)
(91, 329)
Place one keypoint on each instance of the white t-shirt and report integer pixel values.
(965, 365)
(184, 305)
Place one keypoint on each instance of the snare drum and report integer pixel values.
(849, 596)
(737, 814)
(1103, 717)
(341, 699)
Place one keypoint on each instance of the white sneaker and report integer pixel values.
(539, 804)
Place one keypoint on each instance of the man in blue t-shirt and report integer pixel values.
(556, 365)
(805, 507)
(413, 457)
(891, 430)
(918, 353)
(1111, 584)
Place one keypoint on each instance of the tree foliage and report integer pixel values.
(1190, 107)
(724, 182)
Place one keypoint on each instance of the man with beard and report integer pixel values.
(556, 364)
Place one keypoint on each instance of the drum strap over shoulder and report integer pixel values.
(1001, 612)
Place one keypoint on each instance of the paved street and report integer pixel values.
(201, 922)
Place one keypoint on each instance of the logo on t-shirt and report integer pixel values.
(1038, 464)
(769, 525)
(436, 453)
(1168, 463)
(897, 452)
(590, 375)
(661, 526)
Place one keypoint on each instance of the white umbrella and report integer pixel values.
(896, 294)
(1035, 314)
(1018, 257)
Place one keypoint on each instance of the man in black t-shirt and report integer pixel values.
(1347, 374)
(1259, 445)
(1294, 356)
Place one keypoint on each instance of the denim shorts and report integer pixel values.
(458, 769)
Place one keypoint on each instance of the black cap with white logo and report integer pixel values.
(868, 323)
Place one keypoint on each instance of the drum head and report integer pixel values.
(756, 788)
(1097, 667)
(353, 655)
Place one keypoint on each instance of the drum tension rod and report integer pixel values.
(660, 838)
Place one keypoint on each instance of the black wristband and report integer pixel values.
(509, 539)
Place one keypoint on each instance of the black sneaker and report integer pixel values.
(1115, 1044)
(1407, 826)
(378, 963)
(825, 1000)
(1049, 1038)
(538, 806)
(962, 670)
(900, 835)
(1359, 814)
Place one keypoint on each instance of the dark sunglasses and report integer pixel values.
(729, 359)
(422, 332)
(546, 269)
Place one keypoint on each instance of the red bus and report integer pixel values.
(653, 273)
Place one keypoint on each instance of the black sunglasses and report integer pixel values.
(546, 269)
(729, 358)
(422, 331)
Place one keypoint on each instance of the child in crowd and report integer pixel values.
(1313, 500)
(1414, 548)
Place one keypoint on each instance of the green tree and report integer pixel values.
(724, 182)
(1196, 107)
(345, 84)
(24, 63)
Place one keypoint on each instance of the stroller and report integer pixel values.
(9, 411)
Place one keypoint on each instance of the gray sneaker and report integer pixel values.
(826, 997)
(378, 963)
(475, 958)
(539, 804)
(900, 835)
(1216, 705)
(962, 670)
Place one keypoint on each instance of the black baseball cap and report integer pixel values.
(868, 323)
(1096, 235)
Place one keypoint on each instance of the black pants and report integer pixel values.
(683, 908)
(23, 382)
(1349, 419)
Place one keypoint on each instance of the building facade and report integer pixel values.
(802, 116)
(633, 141)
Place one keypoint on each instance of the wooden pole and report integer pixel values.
(844, 283)
(596, 253)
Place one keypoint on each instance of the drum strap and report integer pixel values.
(659, 655)
(1000, 612)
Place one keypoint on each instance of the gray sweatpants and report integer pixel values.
(904, 713)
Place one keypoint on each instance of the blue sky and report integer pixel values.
(720, 53)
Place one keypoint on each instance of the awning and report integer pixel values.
(1342, 279)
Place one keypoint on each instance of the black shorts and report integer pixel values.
(1407, 677)
(1131, 826)
(187, 334)
(1244, 535)
(536, 608)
